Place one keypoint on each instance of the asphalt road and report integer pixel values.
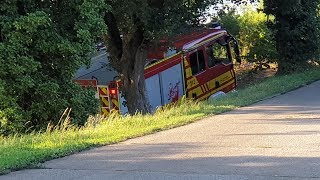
(275, 139)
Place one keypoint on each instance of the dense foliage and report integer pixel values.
(287, 34)
(256, 40)
(296, 32)
(42, 44)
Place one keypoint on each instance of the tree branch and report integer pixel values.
(1, 35)
(138, 35)
(156, 3)
(21, 9)
(114, 37)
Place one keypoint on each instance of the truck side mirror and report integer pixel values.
(235, 45)
(236, 51)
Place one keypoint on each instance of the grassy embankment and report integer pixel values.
(26, 151)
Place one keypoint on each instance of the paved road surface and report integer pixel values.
(275, 139)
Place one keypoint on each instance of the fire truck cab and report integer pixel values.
(197, 65)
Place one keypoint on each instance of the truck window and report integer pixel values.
(221, 54)
(217, 54)
(211, 59)
(197, 62)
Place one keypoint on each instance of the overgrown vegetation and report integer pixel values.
(256, 40)
(23, 151)
(296, 32)
(42, 44)
(285, 32)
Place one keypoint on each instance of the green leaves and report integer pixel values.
(42, 44)
(32, 22)
(296, 32)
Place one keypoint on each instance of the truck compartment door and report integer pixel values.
(172, 84)
(154, 91)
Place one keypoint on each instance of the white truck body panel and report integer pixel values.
(153, 89)
(123, 106)
(172, 84)
(165, 87)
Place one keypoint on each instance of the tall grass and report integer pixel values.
(26, 151)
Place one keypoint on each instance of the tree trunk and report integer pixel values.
(128, 56)
(133, 81)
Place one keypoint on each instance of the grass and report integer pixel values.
(25, 151)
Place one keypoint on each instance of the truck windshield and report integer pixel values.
(217, 53)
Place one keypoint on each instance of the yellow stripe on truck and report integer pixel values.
(188, 73)
(221, 79)
(216, 90)
(208, 86)
(197, 91)
(191, 83)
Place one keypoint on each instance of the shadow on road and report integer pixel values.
(187, 158)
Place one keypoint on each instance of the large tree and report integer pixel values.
(134, 26)
(296, 32)
(42, 44)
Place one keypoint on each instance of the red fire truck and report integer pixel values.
(197, 65)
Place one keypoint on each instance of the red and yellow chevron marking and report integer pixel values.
(103, 91)
(104, 101)
(105, 111)
(115, 104)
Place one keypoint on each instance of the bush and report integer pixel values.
(296, 31)
(256, 40)
(41, 47)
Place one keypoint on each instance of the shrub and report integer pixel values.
(42, 44)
